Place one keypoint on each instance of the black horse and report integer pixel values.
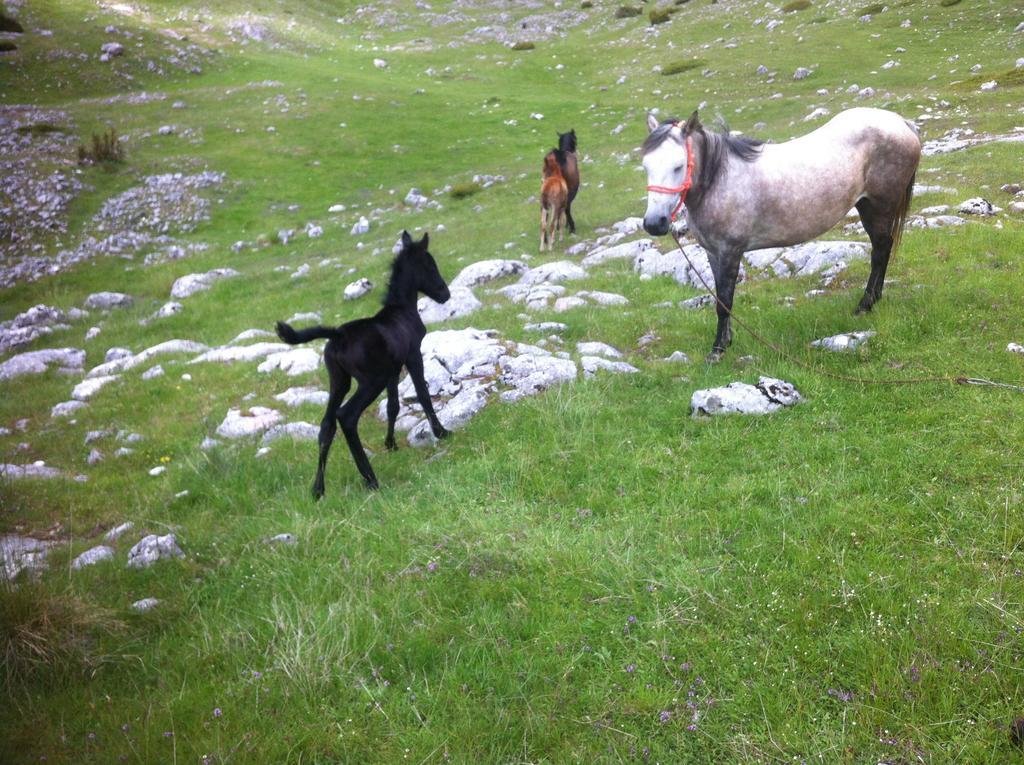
(373, 351)
(565, 155)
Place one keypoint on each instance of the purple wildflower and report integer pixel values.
(432, 566)
(631, 619)
(168, 734)
(665, 716)
(217, 712)
(631, 668)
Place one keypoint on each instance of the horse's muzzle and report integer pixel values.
(656, 226)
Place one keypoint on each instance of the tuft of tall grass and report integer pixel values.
(106, 147)
(46, 636)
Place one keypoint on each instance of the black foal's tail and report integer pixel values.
(296, 336)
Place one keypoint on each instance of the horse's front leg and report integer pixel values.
(415, 366)
(393, 406)
(726, 269)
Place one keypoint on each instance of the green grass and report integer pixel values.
(796, 5)
(581, 572)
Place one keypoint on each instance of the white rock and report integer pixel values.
(168, 309)
(551, 273)
(461, 303)
(67, 408)
(357, 289)
(108, 300)
(293, 362)
(126, 363)
(283, 539)
(801, 73)
(817, 114)
(768, 395)
(629, 225)
(533, 374)
(564, 304)
(988, 86)
(1015, 348)
(145, 604)
(158, 470)
(486, 271)
(152, 548)
(250, 334)
(111, 49)
(95, 457)
(93, 556)
(314, 231)
(380, 63)
(674, 264)
(623, 251)
(193, 283)
(454, 414)
(118, 530)
(603, 298)
(978, 206)
(90, 387)
(546, 326)
(231, 353)
(37, 362)
(296, 431)
(306, 395)
(847, 341)
(593, 348)
(254, 421)
(22, 554)
(678, 357)
(591, 365)
(307, 316)
(38, 469)
(361, 227)
(153, 372)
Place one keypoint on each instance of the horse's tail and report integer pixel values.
(900, 220)
(294, 336)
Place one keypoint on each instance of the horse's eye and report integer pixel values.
(679, 169)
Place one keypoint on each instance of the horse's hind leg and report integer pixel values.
(393, 406)
(568, 217)
(878, 225)
(349, 419)
(340, 383)
(726, 269)
(543, 226)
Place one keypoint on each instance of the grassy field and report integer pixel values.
(590, 575)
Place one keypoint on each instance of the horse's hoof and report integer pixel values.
(372, 484)
(715, 356)
(862, 309)
(391, 446)
(318, 493)
(441, 433)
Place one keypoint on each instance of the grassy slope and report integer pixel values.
(864, 542)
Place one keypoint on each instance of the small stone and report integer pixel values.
(158, 470)
(153, 372)
(95, 457)
(108, 300)
(678, 357)
(1015, 348)
(93, 556)
(118, 530)
(357, 289)
(283, 539)
(801, 73)
(145, 604)
(152, 548)
(361, 227)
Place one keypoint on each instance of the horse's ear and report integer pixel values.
(406, 239)
(652, 122)
(692, 124)
(425, 240)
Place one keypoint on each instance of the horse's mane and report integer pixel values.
(553, 162)
(402, 280)
(714, 149)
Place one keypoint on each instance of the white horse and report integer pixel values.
(741, 194)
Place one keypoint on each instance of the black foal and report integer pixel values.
(373, 351)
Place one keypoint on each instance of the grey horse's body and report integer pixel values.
(748, 196)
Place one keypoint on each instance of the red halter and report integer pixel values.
(687, 183)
